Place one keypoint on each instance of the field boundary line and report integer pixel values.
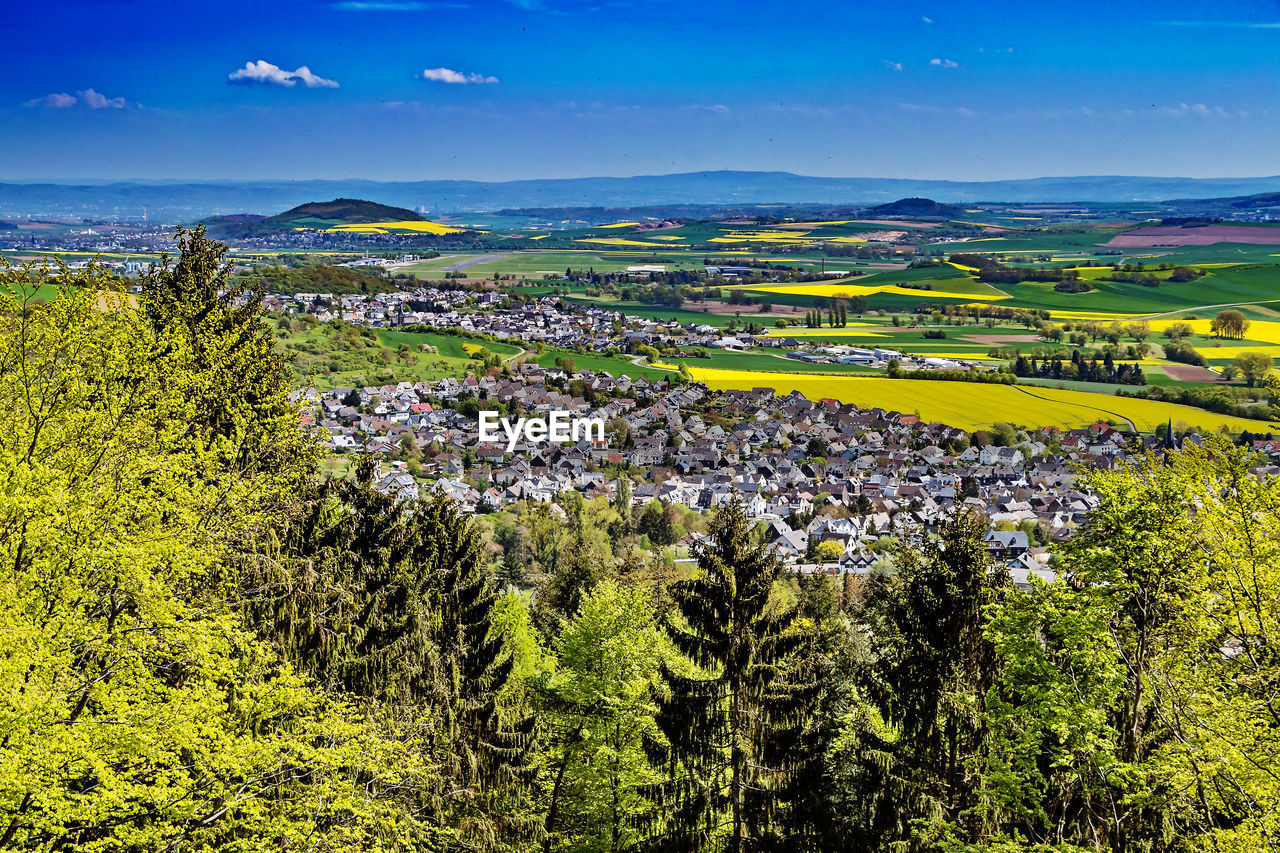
(1131, 424)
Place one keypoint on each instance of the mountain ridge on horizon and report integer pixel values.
(167, 198)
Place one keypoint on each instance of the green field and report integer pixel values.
(535, 264)
(768, 361)
(330, 356)
(433, 268)
(599, 363)
(665, 313)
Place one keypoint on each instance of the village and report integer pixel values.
(807, 471)
(583, 328)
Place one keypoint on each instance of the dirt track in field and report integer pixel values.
(1000, 340)
(1190, 373)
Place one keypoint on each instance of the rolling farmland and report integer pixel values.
(976, 406)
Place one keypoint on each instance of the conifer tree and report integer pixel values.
(486, 746)
(389, 601)
(733, 739)
(915, 747)
(241, 383)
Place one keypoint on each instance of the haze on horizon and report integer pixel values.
(402, 90)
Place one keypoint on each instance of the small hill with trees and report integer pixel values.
(346, 210)
(313, 214)
(915, 208)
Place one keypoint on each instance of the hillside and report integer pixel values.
(316, 279)
(916, 207)
(345, 210)
(312, 214)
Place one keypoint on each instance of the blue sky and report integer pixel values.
(509, 89)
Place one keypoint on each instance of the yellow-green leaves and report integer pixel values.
(136, 711)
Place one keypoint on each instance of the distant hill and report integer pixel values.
(916, 208)
(1230, 207)
(346, 210)
(312, 214)
(190, 201)
(1240, 202)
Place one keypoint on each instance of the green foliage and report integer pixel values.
(390, 602)
(314, 279)
(1133, 695)
(1253, 366)
(139, 712)
(914, 742)
(1229, 324)
(733, 744)
(656, 523)
(236, 379)
(828, 552)
(599, 711)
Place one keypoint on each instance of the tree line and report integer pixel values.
(1079, 368)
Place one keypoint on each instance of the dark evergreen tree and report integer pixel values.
(622, 526)
(735, 748)
(389, 601)
(240, 380)
(914, 761)
(486, 755)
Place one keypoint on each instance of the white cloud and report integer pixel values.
(896, 66)
(311, 81)
(273, 75)
(926, 19)
(944, 63)
(448, 75)
(1197, 111)
(95, 101)
(55, 100)
(87, 98)
(718, 109)
(930, 109)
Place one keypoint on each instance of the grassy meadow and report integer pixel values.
(340, 356)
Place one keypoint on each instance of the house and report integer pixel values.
(1006, 544)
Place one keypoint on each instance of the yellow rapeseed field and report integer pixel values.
(978, 293)
(820, 224)
(853, 330)
(620, 241)
(1259, 330)
(620, 225)
(1233, 351)
(982, 355)
(975, 406)
(785, 237)
(418, 227)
